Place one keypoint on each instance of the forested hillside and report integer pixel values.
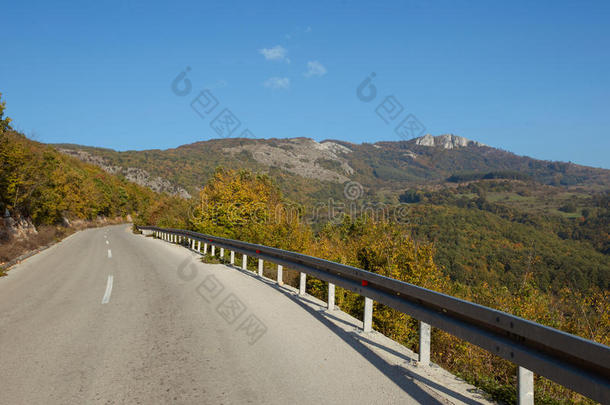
(46, 191)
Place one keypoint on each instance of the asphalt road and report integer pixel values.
(110, 317)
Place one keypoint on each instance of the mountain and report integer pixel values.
(313, 171)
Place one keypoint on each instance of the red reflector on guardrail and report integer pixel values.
(365, 283)
(258, 251)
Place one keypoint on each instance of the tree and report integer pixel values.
(4, 122)
(247, 206)
(410, 196)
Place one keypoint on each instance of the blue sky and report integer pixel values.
(529, 77)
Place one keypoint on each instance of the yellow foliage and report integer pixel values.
(246, 206)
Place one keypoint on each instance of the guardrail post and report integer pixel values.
(424, 344)
(244, 262)
(232, 257)
(260, 267)
(222, 252)
(302, 283)
(193, 240)
(213, 252)
(367, 324)
(280, 269)
(205, 248)
(525, 387)
(331, 296)
(199, 246)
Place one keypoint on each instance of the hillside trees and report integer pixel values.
(250, 207)
(4, 121)
(38, 182)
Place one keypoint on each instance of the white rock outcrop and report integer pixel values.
(302, 156)
(448, 141)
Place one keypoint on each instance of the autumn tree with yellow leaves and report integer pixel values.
(246, 206)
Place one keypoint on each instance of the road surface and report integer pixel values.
(110, 317)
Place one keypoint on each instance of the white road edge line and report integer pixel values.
(108, 290)
(109, 254)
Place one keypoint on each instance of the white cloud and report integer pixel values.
(315, 68)
(277, 83)
(278, 53)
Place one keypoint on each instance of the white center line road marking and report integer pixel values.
(108, 290)
(109, 254)
(108, 243)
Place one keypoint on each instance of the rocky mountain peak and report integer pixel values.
(447, 141)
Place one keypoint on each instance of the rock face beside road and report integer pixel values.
(19, 228)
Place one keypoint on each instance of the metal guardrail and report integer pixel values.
(576, 363)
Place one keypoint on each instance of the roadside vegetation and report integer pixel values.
(45, 195)
(245, 206)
